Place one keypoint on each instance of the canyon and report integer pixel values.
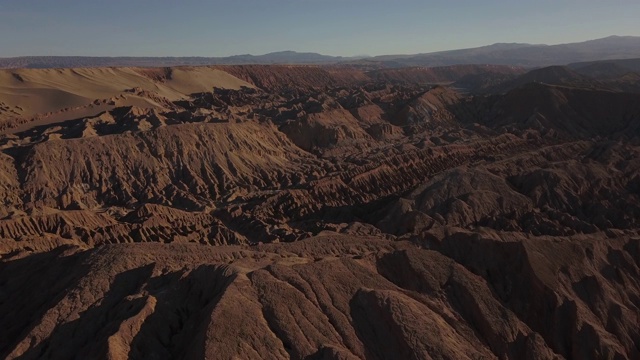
(320, 212)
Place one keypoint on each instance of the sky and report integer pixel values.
(332, 27)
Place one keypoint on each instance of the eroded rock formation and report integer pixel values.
(322, 213)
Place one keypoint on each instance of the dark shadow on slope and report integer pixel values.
(182, 313)
(32, 285)
(87, 336)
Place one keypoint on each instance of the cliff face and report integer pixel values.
(307, 212)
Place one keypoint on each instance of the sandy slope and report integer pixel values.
(28, 92)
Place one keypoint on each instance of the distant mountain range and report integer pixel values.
(282, 57)
(613, 47)
(527, 55)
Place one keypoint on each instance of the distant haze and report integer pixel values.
(525, 55)
(335, 27)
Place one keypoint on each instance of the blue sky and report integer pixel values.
(333, 27)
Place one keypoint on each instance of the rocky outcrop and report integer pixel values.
(331, 296)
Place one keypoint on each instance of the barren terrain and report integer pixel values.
(306, 212)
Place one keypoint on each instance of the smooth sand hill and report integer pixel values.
(83, 92)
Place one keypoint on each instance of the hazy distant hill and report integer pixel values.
(283, 57)
(622, 74)
(552, 75)
(621, 66)
(613, 47)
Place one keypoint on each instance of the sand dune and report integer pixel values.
(29, 93)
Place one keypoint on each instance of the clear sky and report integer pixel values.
(333, 27)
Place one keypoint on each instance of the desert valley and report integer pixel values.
(378, 208)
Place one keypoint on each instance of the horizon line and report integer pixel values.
(316, 53)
